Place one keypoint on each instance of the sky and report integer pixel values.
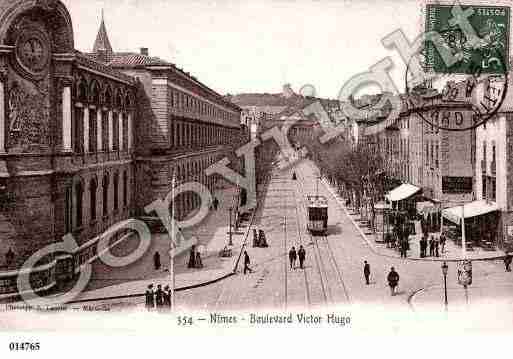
(259, 45)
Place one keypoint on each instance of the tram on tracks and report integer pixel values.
(317, 208)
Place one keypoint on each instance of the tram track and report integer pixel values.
(301, 242)
(331, 277)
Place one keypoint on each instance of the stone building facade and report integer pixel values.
(87, 140)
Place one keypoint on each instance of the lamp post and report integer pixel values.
(230, 242)
(445, 270)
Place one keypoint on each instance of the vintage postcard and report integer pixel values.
(171, 166)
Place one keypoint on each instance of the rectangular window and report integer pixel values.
(92, 131)
(105, 131)
(485, 195)
(493, 189)
(437, 158)
(427, 153)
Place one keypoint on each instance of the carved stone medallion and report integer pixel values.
(33, 53)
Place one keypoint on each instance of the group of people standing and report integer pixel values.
(434, 244)
(160, 298)
(295, 255)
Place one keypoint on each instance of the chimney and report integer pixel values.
(145, 51)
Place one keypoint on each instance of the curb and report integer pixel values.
(194, 286)
(379, 253)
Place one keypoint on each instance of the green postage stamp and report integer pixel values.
(491, 24)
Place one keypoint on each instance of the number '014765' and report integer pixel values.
(25, 346)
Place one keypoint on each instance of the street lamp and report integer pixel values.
(445, 270)
(230, 242)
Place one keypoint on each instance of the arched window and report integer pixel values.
(116, 192)
(105, 191)
(93, 187)
(79, 192)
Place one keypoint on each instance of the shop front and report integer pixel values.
(481, 223)
(430, 214)
(404, 198)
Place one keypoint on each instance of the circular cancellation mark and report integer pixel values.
(482, 93)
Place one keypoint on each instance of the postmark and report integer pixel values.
(476, 83)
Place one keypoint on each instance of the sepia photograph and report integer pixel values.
(206, 165)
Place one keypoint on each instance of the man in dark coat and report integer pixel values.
(404, 248)
(255, 238)
(247, 262)
(150, 303)
(156, 260)
(192, 258)
(159, 297)
(393, 280)
(431, 246)
(302, 256)
(215, 203)
(167, 297)
(292, 258)
(9, 257)
(507, 262)
(366, 272)
(443, 239)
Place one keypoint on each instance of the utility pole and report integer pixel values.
(173, 243)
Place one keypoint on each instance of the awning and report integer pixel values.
(427, 207)
(472, 209)
(382, 206)
(404, 191)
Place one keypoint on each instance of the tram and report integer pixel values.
(317, 214)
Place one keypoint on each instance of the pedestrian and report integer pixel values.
(443, 239)
(431, 246)
(437, 247)
(216, 203)
(393, 280)
(159, 297)
(9, 258)
(192, 257)
(366, 272)
(404, 248)
(150, 302)
(247, 262)
(167, 297)
(255, 238)
(302, 256)
(199, 262)
(156, 260)
(507, 262)
(292, 258)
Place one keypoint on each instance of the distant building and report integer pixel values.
(88, 140)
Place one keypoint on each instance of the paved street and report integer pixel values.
(333, 274)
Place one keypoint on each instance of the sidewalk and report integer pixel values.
(452, 251)
(431, 298)
(212, 233)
